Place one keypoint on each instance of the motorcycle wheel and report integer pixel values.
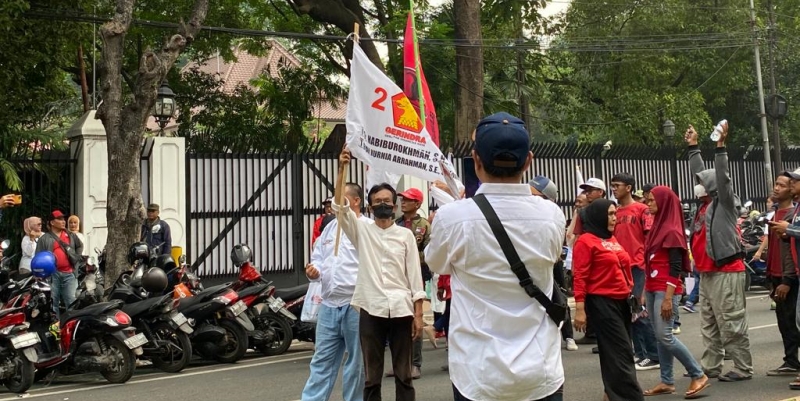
(180, 349)
(236, 346)
(126, 365)
(283, 334)
(23, 375)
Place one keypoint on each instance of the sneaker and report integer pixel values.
(734, 377)
(783, 370)
(571, 346)
(676, 330)
(647, 364)
(689, 307)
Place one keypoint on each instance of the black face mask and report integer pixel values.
(383, 211)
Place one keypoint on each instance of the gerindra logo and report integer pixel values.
(405, 116)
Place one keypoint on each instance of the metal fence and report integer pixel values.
(270, 201)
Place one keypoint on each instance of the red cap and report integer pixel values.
(412, 194)
(57, 214)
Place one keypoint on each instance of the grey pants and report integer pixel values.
(724, 322)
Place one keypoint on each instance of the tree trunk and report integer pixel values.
(469, 67)
(342, 14)
(125, 123)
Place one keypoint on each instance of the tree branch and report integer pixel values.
(330, 57)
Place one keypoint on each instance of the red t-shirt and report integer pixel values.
(632, 223)
(702, 261)
(62, 261)
(658, 274)
(600, 267)
(774, 260)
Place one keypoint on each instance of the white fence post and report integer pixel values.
(168, 184)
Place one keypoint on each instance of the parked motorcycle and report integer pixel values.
(98, 338)
(17, 347)
(273, 331)
(166, 329)
(295, 298)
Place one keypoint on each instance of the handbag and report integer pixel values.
(555, 307)
(312, 302)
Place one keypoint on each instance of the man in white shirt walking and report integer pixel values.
(337, 321)
(388, 289)
(503, 345)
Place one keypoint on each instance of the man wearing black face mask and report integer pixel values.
(389, 288)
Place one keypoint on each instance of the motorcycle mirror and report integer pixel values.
(182, 259)
(5, 244)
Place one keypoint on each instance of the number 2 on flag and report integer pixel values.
(378, 104)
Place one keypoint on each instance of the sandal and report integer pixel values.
(696, 387)
(660, 389)
(795, 385)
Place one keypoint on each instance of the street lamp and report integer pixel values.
(165, 105)
(668, 128)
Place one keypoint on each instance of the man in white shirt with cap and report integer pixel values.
(503, 345)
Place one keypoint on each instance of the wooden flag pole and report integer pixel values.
(338, 193)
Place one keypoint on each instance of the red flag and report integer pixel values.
(414, 81)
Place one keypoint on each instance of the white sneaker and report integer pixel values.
(571, 346)
(676, 330)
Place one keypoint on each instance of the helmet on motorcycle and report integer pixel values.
(165, 262)
(138, 251)
(154, 280)
(43, 264)
(240, 254)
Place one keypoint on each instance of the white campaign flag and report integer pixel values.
(383, 129)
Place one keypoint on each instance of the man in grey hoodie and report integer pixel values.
(718, 252)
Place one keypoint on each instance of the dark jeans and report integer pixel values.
(612, 322)
(557, 396)
(785, 312)
(694, 296)
(374, 332)
(644, 338)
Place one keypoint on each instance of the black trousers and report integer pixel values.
(557, 396)
(611, 319)
(785, 312)
(374, 332)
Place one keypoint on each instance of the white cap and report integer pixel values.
(593, 183)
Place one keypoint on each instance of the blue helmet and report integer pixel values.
(43, 264)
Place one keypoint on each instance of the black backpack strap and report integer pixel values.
(513, 259)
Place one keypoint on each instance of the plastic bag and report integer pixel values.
(312, 302)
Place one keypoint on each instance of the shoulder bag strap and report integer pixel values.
(511, 254)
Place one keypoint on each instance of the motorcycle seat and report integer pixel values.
(252, 290)
(138, 308)
(91, 310)
(292, 293)
(215, 290)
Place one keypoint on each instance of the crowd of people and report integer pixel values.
(63, 237)
(629, 260)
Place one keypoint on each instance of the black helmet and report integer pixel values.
(154, 280)
(138, 251)
(240, 254)
(165, 262)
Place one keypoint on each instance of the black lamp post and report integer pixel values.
(777, 107)
(668, 129)
(165, 106)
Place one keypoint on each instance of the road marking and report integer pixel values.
(212, 369)
(764, 326)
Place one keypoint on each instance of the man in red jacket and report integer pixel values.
(633, 223)
(326, 205)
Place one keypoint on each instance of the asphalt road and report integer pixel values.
(282, 378)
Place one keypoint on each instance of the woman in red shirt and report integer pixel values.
(602, 284)
(665, 258)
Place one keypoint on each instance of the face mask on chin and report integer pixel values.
(383, 211)
(699, 191)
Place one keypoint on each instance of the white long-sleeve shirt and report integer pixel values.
(503, 346)
(28, 249)
(389, 275)
(338, 274)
